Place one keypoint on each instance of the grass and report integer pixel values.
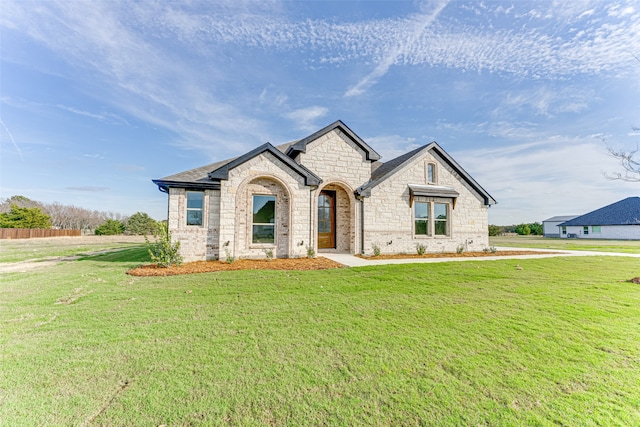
(40, 249)
(623, 246)
(552, 342)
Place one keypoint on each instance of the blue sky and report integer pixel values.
(99, 97)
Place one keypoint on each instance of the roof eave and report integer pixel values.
(222, 173)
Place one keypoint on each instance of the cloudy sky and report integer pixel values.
(99, 97)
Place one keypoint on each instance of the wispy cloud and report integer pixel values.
(88, 188)
(404, 47)
(305, 118)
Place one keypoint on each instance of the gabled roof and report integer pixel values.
(199, 178)
(560, 218)
(223, 172)
(386, 170)
(301, 145)
(624, 212)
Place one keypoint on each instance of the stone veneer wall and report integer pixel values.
(264, 173)
(389, 216)
(334, 157)
(196, 242)
(244, 219)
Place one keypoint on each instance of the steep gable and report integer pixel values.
(301, 145)
(388, 169)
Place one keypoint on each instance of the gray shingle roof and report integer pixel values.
(624, 212)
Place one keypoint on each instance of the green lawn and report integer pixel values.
(623, 246)
(40, 249)
(552, 342)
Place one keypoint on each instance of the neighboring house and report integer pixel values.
(326, 192)
(550, 226)
(620, 220)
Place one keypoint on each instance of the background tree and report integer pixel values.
(140, 223)
(494, 230)
(630, 165)
(536, 229)
(18, 217)
(523, 229)
(110, 227)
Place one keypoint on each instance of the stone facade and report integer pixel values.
(336, 161)
(389, 214)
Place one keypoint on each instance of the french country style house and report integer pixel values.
(326, 192)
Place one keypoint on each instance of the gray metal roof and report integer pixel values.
(623, 212)
(560, 218)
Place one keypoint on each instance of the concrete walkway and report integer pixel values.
(354, 261)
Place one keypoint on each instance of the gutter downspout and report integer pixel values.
(361, 224)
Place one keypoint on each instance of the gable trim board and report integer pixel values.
(374, 201)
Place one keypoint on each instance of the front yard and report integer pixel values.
(526, 342)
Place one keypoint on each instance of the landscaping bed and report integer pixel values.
(319, 263)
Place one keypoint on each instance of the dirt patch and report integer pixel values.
(457, 255)
(319, 263)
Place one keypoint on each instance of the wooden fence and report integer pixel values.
(28, 233)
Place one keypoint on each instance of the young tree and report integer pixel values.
(19, 217)
(140, 223)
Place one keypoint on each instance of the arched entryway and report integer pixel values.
(335, 222)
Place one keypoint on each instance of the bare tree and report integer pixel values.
(628, 161)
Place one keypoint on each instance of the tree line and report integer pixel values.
(534, 228)
(22, 212)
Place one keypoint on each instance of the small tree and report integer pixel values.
(523, 229)
(164, 253)
(536, 229)
(494, 230)
(18, 217)
(110, 227)
(141, 224)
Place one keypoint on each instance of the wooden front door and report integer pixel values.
(327, 220)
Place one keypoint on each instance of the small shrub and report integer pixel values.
(268, 253)
(376, 249)
(460, 249)
(163, 252)
(229, 259)
(421, 249)
(311, 253)
(493, 249)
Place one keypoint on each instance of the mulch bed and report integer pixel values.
(319, 263)
(455, 255)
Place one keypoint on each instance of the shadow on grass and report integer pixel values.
(132, 254)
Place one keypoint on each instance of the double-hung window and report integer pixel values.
(441, 219)
(585, 229)
(195, 203)
(421, 214)
(264, 219)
